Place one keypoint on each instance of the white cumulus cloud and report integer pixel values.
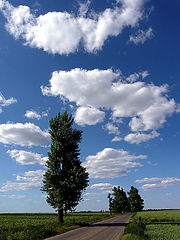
(111, 128)
(62, 32)
(26, 134)
(102, 186)
(35, 115)
(116, 139)
(140, 137)
(162, 183)
(30, 180)
(89, 116)
(6, 102)
(32, 114)
(145, 180)
(96, 91)
(135, 76)
(111, 163)
(27, 158)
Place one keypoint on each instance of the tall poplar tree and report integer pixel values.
(135, 200)
(118, 202)
(65, 178)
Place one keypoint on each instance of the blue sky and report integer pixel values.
(115, 66)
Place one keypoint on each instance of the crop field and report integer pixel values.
(39, 226)
(161, 225)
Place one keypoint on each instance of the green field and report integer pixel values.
(161, 225)
(161, 216)
(40, 226)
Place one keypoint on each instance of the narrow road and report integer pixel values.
(109, 229)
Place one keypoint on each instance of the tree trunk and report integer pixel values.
(60, 216)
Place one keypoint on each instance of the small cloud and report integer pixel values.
(154, 179)
(101, 186)
(141, 36)
(140, 137)
(26, 134)
(36, 4)
(90, 194)
(111, 128)
(136, 76)
(30, 180)
(6, 102)
(27, 158)
(34, 115)
(111, 163)
(116, 139)
(83, 8)
(151, 163)
(161, 183)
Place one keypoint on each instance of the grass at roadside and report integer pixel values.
(154, 225)
(161, 216)
(163, 231)
(162, 224)
(40, 226)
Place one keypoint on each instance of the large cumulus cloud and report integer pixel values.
(96, 91)
(62, 32)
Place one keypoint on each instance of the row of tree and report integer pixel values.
(120, 203)
(66, 178)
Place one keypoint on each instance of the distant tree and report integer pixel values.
(65, 178)
(135, 200)
(118, 201)
(110, 203)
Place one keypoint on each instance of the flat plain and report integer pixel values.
(35, 226)
(161, 225)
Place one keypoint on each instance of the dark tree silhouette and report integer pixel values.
(118, 201)
(135, 200)
(65, 178)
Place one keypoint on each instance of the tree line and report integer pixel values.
(120, 203)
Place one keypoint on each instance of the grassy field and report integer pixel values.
(161, 225)
(161, 216)
(40, 226)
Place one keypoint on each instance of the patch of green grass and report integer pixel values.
(163, 232)
(135, 230)
(40, 226)
(163, 216)
(160, 225)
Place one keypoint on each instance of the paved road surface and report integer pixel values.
(109, 229)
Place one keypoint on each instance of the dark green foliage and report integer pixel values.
(65, 178)
(118, 201)
(130, 236)
(135, 200)
(134, 228)
(110, 203)
(135, 231)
